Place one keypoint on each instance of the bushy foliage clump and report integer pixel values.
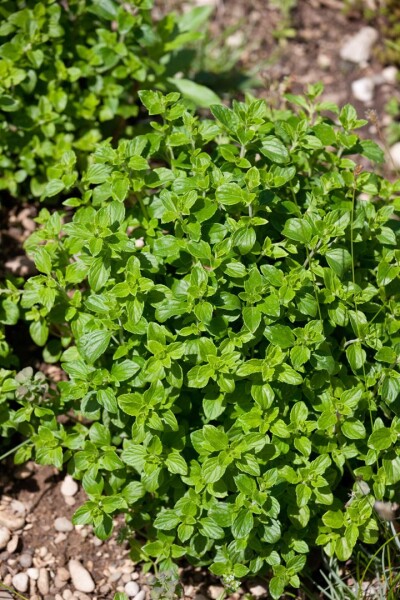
(223, 295)
(69, 77)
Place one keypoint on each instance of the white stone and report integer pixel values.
(390, 74)
(395, 154)
(140, 596)
(139, 243)
(363, 89)
(43, 582)
(81, 578)
(33, 573)
(5, 537)
(11, 521)
(25, 560)
(258, 590)
(131, 589)
(63, 524)
(358, 48)
(12, 544)
(69, 487)
(214, 591)
(18, 507)
(20, 581)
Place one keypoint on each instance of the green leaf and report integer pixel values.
(166, 520)
(39, 331)
(280, 335)
(92, 345)
(339, 259)
(356, 356)
(251, 318)
(243, 524)
(275, 150)
(176, 463)
(298, 230)
(354, 429)
(226, 116)
(380, 439)
(199, 94)
(229, 194)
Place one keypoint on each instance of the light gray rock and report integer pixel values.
(63, 525)
(33, 573)
(214, 591)
(358, 48)
(20, 581)
(131, 589)
(25, 560)
(140, 596)
(69, 487)
(390, 75)
(11, 521)
(363, 89)
(12, 544)
(43, 581)
(81, 578)
(5, 537)
(258, 590)
(395, 155)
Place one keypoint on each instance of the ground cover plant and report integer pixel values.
(69, 77)
(223, 296)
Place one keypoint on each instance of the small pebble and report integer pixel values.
(81, 578)
(11, 521)
(395, 154)
(63, 574)
(20, 581)
(131, 589)
(60, 537)
(258, 590)
(69, 487)
(43, 581)
(33, 573)
(12, 544)
(63, 524)
(18, 507)
(214, 591)
(363, 89)
(390, 75)
(25, 560)
(140, 596)
(358, 48)
(5, 536)
(67, 595)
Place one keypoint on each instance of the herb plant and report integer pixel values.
(69, 77)
(223, 294)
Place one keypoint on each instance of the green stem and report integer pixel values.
(3, 456)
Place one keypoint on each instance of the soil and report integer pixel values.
(320, 27)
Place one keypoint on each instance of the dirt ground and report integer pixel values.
(320, 28)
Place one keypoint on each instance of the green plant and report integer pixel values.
(224, 301)
(69, 77)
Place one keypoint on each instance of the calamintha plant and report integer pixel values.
(69, 76)
(223, 296)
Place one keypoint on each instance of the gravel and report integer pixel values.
(25, 560)
(63, 525)
(20, 581)
(5, 537)
(358, 48)
(131, 589)
(69, 487)
(81, 578)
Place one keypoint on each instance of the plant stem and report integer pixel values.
(3, 456)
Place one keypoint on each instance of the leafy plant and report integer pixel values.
(69, 77)
(224, 301)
